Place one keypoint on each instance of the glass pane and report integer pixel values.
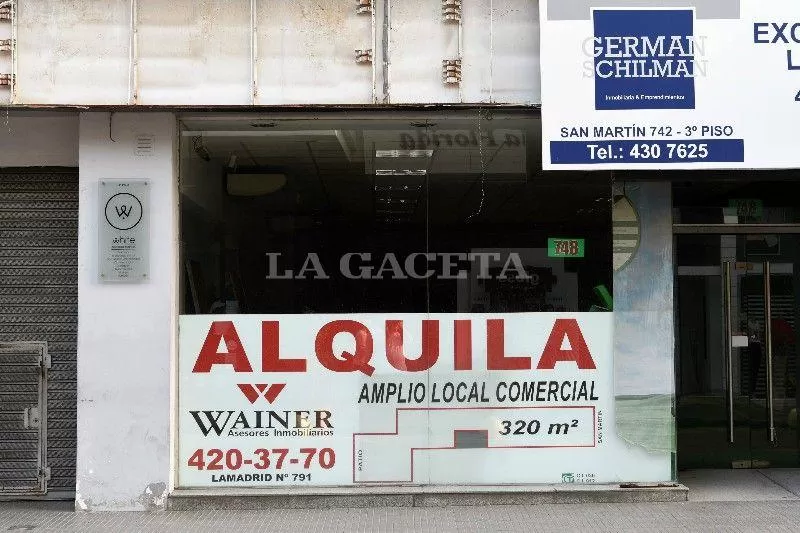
(702, 404)
(508, 227)
(753, 357)
(441, 217)
(289, 223)
(339, 259)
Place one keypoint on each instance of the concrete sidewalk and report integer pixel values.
(774, 484)
(667, 517)
(729, 500)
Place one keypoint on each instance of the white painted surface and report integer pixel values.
(126, 332)
(306, 53)
(500, 52)
(194, 52)
(418, 43)
(512, 55)
(38, 139)
(73, 52)
(269, 52)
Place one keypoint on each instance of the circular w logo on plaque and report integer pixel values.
(123, 211)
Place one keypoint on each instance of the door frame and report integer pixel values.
(726, 229)
(735, 229)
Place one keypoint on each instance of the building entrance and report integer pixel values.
(737, 290)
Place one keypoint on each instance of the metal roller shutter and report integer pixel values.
(39, 299)
(23, 383)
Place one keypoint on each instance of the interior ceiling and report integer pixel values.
(331, 166)
(330, 162)
(293, 153)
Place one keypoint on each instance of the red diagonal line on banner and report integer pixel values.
(249, 391)
(273, 392)
(261, 387)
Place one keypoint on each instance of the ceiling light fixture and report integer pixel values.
(400, 172)
(404, 153)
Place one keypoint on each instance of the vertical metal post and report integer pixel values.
(133, 73)
(14, 54)
(253, 52)
(374, 37)
(491, 51)
(768, 346)
(461, 56)
(728, 346)
(387, 25)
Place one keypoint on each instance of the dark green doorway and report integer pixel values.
(737, 301)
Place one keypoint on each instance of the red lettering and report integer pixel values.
(358, 361)
(462, 341)
(430, 346)
(209, 356)
(270, 351)
(566, 328)
(495, 349)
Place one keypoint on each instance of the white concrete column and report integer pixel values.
(126, 332)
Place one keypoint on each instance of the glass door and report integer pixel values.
(736, 303)
(767, 358)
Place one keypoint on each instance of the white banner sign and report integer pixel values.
(670, 84)
(398, 399)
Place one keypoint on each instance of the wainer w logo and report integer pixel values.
(268, 392)
(123, 211)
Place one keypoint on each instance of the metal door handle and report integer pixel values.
(726, 270)
(31, 418)
(768, 344)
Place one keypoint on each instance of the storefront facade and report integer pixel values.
(383, 275)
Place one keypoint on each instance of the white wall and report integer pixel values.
(193, 52)
(126, 332)
(73, 52)
(38, 139)
(306, 52)
(271, 52)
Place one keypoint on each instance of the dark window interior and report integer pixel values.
(467, 189)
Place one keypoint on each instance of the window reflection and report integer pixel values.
(442, 214)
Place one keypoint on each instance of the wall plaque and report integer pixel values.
(124, 231)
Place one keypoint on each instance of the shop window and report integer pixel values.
(440, 213)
